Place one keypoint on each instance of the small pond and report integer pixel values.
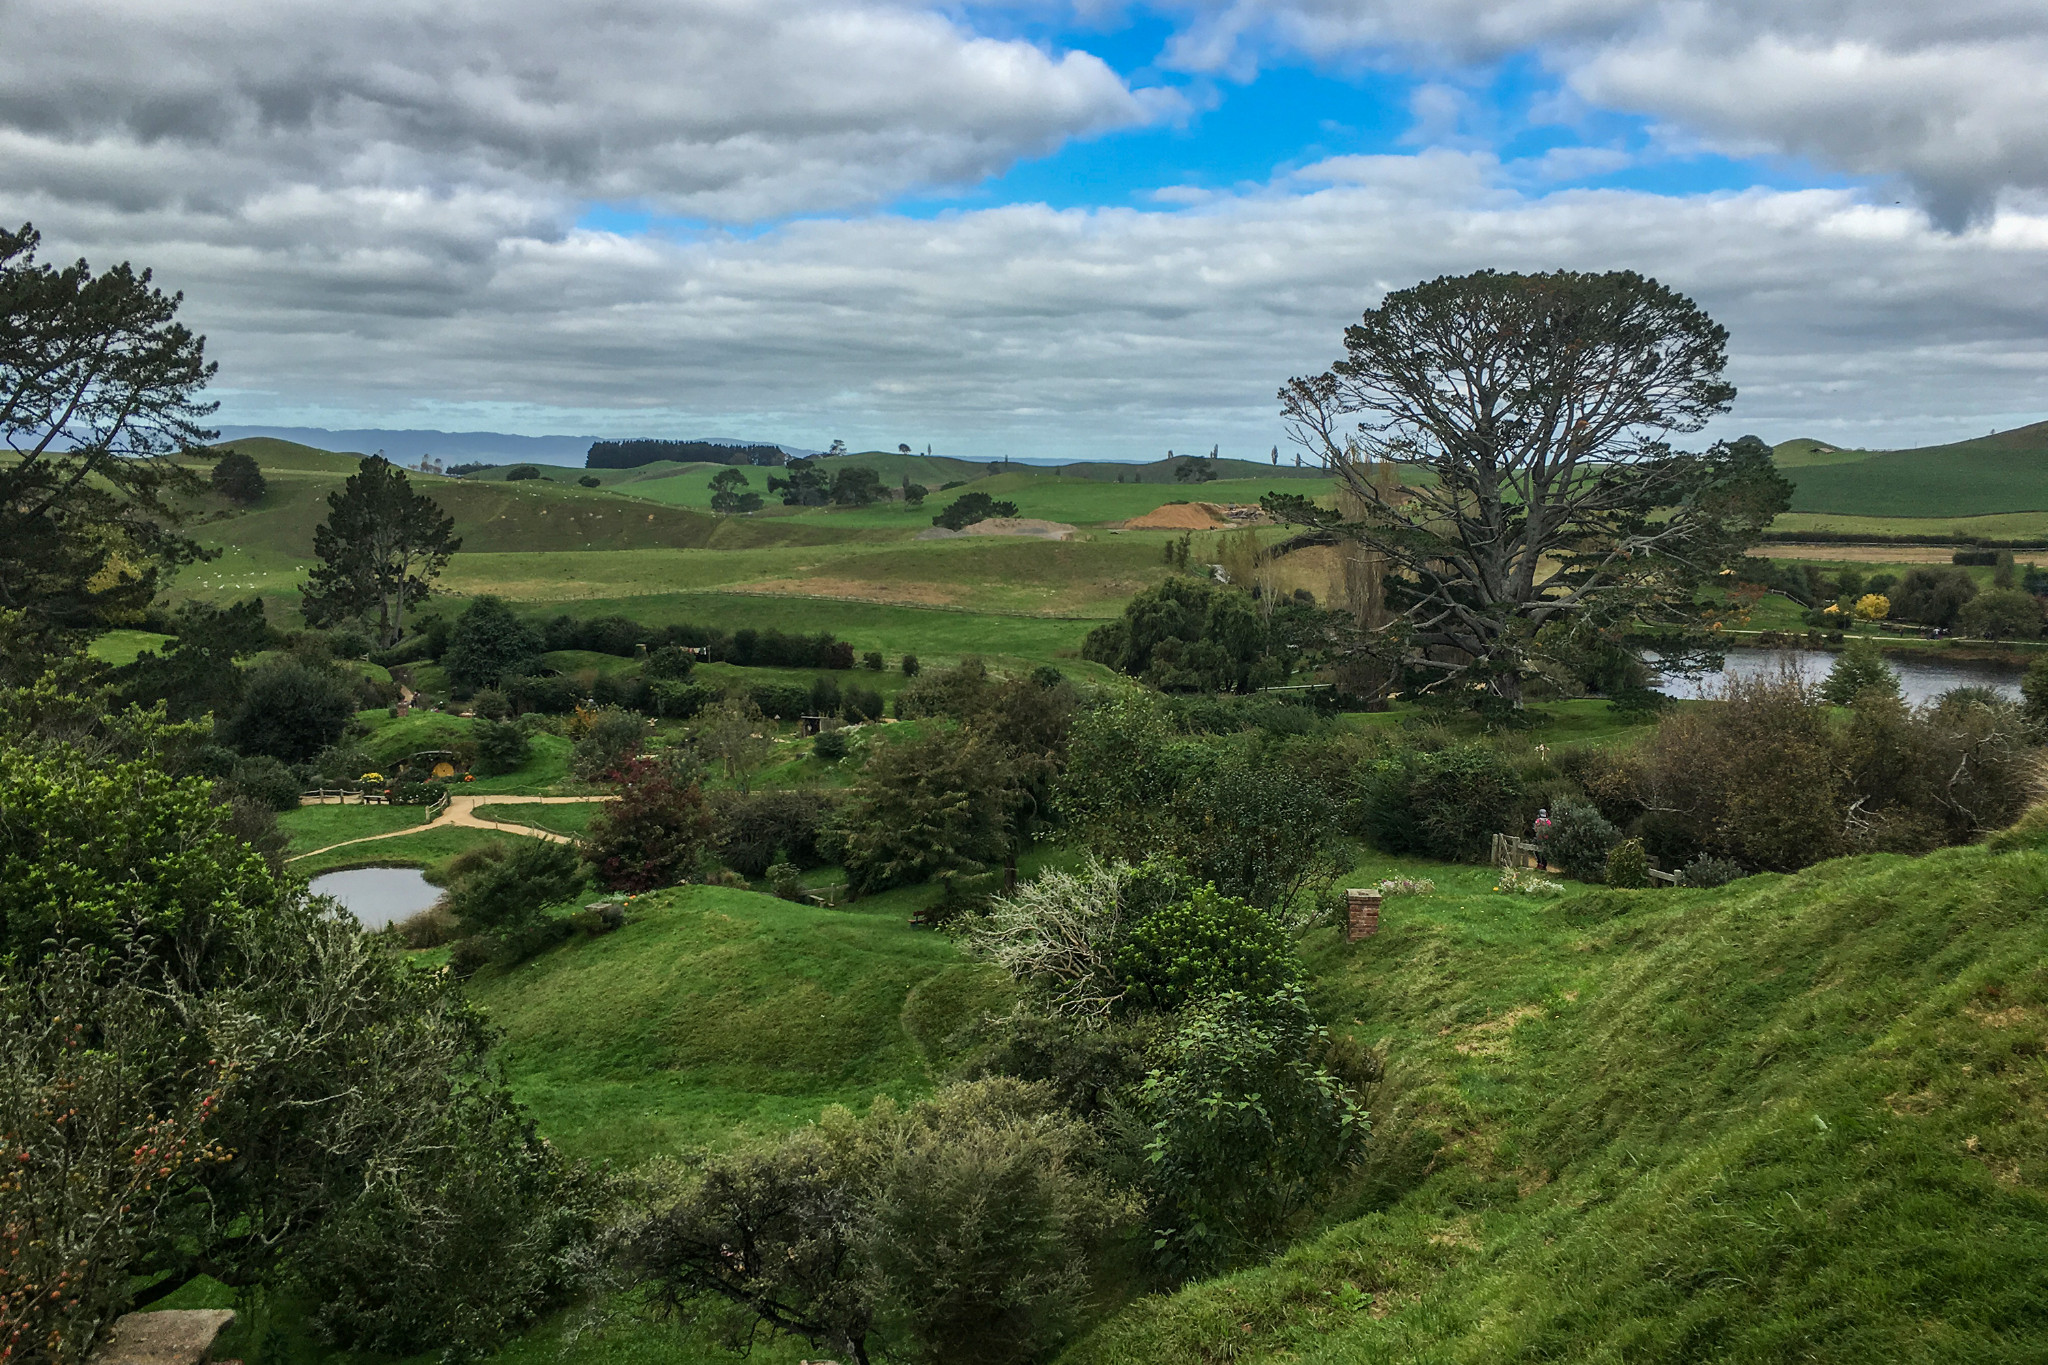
(1922, 677)
(378, 895)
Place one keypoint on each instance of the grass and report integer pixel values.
(2001, 473)
(121, 647)
(1992, 526)
(1799, 1118)
(428, 849)
(569, 820)
(312, 827)
(716, 1010)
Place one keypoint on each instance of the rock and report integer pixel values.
(183, 1336)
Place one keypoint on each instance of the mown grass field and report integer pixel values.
(564, 819)
(312, 827)
(2003, 473)
(719, 1012)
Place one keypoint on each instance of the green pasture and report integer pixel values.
(716, 1012)
(2002, 473)
(429, 849)
(569, 820)
(1082, 501)
(1994, 526)
(121, 647)
(312, 827)
(936, 635)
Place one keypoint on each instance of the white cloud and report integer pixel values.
(1951, 100)
(716, 109)
(1112, 332)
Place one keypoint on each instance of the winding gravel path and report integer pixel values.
(461, 811)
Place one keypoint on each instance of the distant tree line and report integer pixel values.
(633, 454)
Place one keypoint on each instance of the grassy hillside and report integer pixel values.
(718, 1009)
(1799, 1118)
(1804, 451)
(2005, 472)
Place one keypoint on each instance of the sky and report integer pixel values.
(1043, 229)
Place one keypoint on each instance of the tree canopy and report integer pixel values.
(99, 390)
(236, 478)
(380, 549)
(1532, 412)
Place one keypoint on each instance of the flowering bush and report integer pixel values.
(1405, 886)
(1873, 606)
(1523, 881)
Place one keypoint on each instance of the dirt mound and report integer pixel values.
(1005, 526)
(1198, 516)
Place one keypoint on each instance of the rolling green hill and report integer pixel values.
(2005, 472)
(1798, 1118)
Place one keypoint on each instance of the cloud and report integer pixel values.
(1103, 332)
(1950, 100)
(709, 109)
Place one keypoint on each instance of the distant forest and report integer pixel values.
(633, 454)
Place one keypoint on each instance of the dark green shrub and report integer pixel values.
(787, 881)
(2034, 691)
(872, 660)
(860, 704)
(267, 782)
(500, 748)
(781, 701)
(971, 507)
(671, 662)
(1933, 597)
(489, 643)
(291, 710)
(1707, 870)
(590, 481)
(910, 665)
(1628, 866)
(752, 831)
(673, 700)
(961, 1228)
(491, 704)
(613, 739)
(546, 696)
(496, 890)
(1858, 669)
(523, 472)
(830, 745)
(1248, 1127)
(1448, 804)
(1580, 840)
(1201, 947)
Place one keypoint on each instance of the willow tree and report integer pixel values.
(1530, 418)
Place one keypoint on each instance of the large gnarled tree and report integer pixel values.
(99, 393)
(1529, 416)
(380, 550)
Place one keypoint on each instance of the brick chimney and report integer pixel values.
(1363, 913)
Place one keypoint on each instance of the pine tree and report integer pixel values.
(380, 549)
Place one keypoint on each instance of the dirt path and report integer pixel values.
(461, 812)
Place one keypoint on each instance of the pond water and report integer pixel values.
(378, 895)
(1921, 677)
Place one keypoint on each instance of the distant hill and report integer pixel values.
(2003, 472)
